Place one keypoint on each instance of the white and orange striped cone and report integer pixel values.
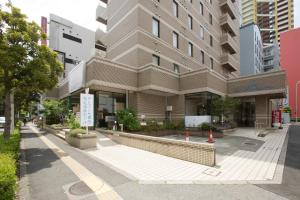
(210, 137)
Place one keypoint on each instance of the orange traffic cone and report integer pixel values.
(210, 137)
(187, 135)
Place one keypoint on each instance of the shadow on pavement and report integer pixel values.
(37, 158)
(291, 174)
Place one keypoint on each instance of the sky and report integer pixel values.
(82, 12)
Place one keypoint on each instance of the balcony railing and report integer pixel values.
(229, 25)
(229, 62)
(101, 14)
(229, 44)
(227, 6)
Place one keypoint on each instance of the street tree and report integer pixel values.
(25, 65)
(224, 106)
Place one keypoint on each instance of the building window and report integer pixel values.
(70, 37)
(210, 19)
(155, 27)
(210, 1)
(211, 63)
(191, 1)
(202, 57)
(190, 49)
(156, 60)
(175, 40)
(175, 8)
(176, 68)
(202, 32)
(211, 41)
(201, 8)
(190, 22)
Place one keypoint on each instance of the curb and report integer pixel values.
(23, 191)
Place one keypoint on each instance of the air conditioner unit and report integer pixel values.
(169, 108)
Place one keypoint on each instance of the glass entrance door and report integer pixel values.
(246, 115)
(108, 105)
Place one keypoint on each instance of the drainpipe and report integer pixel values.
(127, 99)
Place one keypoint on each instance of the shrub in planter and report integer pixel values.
(129, 119)
(7, 177)
(170, 126)
(76, 132)
(232, 124)
(180, 125)
(73, 123)
(79, 139)
(153, 126)
(57, 126)
(207, 127)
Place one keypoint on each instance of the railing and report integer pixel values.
(225, 20)
(227, 39)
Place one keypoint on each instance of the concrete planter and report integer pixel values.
(86, 141)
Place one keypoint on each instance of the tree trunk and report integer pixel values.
(8, 128)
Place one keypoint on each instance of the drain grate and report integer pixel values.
(250, 143)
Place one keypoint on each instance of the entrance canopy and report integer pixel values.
(272, 84)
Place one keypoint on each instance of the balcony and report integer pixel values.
(104, 1)
(100, 36)
(229, 62)
(229, 25)
(227, 6)
(229, 44)
(101, 14)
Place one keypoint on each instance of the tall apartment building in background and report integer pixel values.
(273, 17)
(251, 50)
(271, 57)
(168, 60)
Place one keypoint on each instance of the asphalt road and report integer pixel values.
(290, 187)
(47, 177)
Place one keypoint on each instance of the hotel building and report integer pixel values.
(169, 59)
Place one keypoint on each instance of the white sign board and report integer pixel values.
(195, 121)
(86, 110)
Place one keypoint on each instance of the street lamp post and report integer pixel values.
(298, 82)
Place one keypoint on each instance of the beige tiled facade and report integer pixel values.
(128, 67)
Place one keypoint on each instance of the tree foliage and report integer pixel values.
(225, 106)
(128, 118)
(54, 111)
(26, 68)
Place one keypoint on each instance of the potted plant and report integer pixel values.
(205, 130)
(79, 139)
(286, 115)
(77, 136)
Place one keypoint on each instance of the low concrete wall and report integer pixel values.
(189, 151)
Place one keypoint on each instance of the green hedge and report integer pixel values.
(75, 132)
(7, 177)
(9, 153)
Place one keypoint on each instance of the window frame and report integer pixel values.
(177, 9)
(190, 22)
(191, 49)
(158, 27)
(176, 35)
